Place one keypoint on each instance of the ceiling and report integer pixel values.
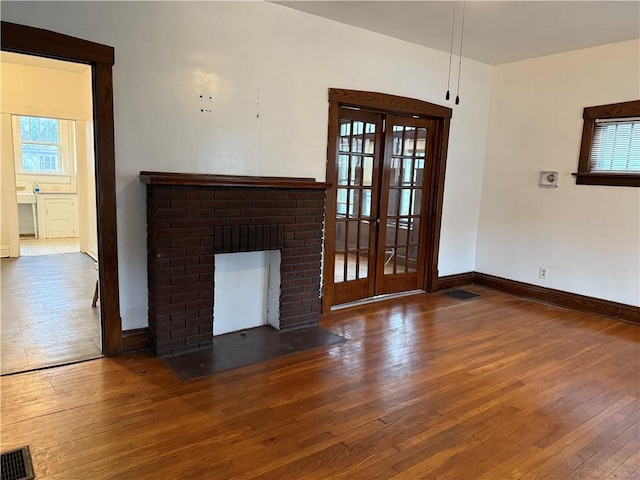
(495, 32)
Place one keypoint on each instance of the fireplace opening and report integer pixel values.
(246, 291)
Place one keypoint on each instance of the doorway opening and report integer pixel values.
(49, 167)
(386, 163)
(100, 59)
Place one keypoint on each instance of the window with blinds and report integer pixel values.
(610, 146)
(616, 146)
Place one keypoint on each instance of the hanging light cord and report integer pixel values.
(464, 4)
(453, 25)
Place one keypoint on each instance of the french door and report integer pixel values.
(381, 173)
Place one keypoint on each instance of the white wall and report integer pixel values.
(267, 69)
(587, 236)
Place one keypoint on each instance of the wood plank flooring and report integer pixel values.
(47, 318)
(426, 387)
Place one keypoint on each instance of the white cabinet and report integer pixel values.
(58, 215)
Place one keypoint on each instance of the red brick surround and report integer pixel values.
(190, 218)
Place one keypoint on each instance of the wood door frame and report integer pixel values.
(44, 43)
(389, 104)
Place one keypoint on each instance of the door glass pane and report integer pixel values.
(401, 260)
(392, 225)
(339, 267)
(418, 172)
(369, 138)
(357, 139)
(345, 133)
(367, 172)
(351, 267)
(356, 170)
(354, 203)
(363, 263)
(341, 202)
(397, 139)
(392, 207)
(407, 171)
(366, 202)
(389, 260)
(421, 142)
(413, 258)
(341, 232)
(405, 201)
(409, 141)
(365, 227)
(394, 166)
(343, 169)
(353, 236)
(414, 232)
(417, 201)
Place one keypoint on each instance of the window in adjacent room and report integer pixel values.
(610, 150)
(43, 145)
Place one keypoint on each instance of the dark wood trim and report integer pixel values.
(44, 43)
(613, 110)
(457, 280)
(207, 180)
(590, 115)
(561, 298)
(391, 104)
(387, 103)
(610, 179)
(435, 211)
(135, 340)
(328, 270)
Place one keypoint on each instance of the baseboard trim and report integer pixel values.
(138, 338)
(560, 298)
(135, 340)
(457, 280)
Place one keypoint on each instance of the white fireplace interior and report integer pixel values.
(246, 291)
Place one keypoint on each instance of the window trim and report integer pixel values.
(590, 115)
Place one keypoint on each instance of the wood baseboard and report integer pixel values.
(135, 340)
(561, 298)
(457, 280)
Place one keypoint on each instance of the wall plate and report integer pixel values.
(548, 180)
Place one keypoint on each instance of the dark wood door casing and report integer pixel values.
(395, 105)
(44, 43)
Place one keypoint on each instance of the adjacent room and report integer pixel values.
(49, 233)
(336, 239)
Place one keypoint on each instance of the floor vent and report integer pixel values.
(461, 294)
(16, 465)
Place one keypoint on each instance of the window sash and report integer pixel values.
(44, 151)
(616, 146)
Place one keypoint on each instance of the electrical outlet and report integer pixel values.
(544, 273)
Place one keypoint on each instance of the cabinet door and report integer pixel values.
(61, 217)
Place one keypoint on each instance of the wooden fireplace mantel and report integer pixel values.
(208, 180)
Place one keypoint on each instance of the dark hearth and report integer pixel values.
(238, 349)
(190, 218)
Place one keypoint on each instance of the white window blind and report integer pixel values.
(616, 146)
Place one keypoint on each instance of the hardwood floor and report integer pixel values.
(426, 387)
(47, 318)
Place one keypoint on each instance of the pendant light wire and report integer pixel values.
(453, 26)
(464, 4)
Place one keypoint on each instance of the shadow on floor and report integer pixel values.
(237, 349)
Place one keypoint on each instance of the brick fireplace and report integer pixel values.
(192, 217)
